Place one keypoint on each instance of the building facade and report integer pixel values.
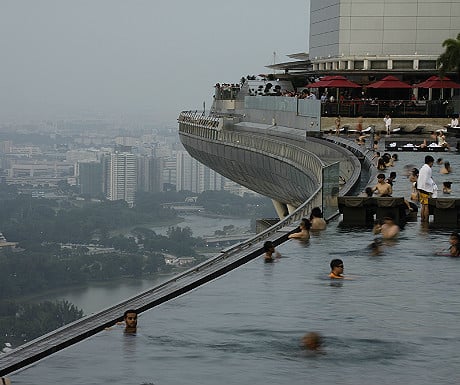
(120, 176)
(150, 174)
(90, 178)
(380, 34)
(194, 176)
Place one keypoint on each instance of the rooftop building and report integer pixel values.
(380, 35)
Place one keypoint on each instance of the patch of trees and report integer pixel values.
(31, 221)
(48, 266)
(23, 219)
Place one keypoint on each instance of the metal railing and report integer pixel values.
(292, 154)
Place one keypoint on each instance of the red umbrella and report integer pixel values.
(389, 82)
(319, 83)
(339, 82)
(437, 82)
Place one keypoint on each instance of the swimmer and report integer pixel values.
(312, 341)
(316, 219)
(375, 247)
(454, 249)
(304, 233)
(367, 193)
(389, 229)
(446, 187)
(383, 188)
(377, 226)
(391, 178)
(336, 269)
(446, 169)
(130, 318)
(270, 252)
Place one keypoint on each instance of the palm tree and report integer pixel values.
(449, 60)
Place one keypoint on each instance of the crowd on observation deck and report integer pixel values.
(343, 101)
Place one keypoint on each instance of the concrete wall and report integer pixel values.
(381, 27)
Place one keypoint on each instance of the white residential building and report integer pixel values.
(120, 176)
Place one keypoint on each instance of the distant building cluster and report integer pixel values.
(171, 260)
(101, 166)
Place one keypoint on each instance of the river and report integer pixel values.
(395, 322)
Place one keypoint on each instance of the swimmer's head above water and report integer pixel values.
(336, 269)
(130, 318)
(312, 341)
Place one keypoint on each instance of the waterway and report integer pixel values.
(394, 322)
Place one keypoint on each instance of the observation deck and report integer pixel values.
(273, 145)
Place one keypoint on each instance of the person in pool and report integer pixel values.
(312, 341)
(454, 241)
(130, 318)
(270, 252)
(304, 233)
(389, 229)
(316, 219)
(336, 269)
(376, 247)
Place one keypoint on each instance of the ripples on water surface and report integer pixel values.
(396, 322)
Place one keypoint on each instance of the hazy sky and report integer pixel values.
(114, 58)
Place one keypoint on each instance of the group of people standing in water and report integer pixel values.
(423, 187)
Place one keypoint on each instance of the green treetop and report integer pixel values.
(449, 60)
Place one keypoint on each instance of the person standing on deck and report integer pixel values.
(337, 125)
(387, 121)
(425, 187)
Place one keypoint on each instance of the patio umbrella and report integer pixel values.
(389, 82)
(437, 82)
(334, 81)
(339, 82)
(319, 83)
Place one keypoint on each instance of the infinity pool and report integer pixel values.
(394, 322)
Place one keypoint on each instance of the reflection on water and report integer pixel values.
(396, 322)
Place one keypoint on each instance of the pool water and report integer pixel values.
(394, 322)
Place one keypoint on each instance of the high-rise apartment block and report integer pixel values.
(150, 174)
(120, 176)
(90, 178)
(194, 176)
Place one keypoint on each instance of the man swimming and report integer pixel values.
(270, 252)
(304, 233)
(312, 341)
(130, 318)
(336, 269)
